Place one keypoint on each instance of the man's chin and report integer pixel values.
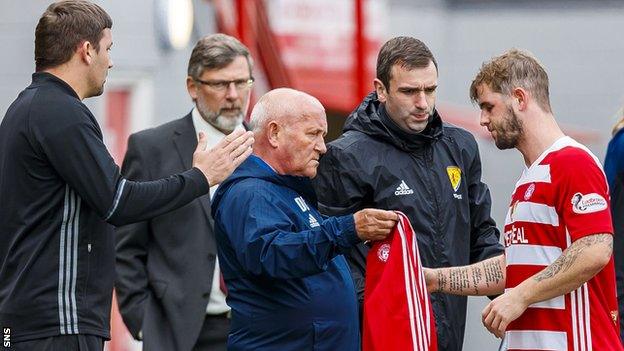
(504, 144)
(312, 171)
(228, 123)
(417, 127)
(95, 92)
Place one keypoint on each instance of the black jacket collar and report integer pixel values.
(371, 118)
(43, 78)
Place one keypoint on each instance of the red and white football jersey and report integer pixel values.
(560, 198)
(397, 310)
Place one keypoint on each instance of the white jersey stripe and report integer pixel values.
(415, 293)
(556, 303)
(68, 261)
(575, 333)
(587, 317)
(573, 308)
(409, 254)
(532, 212)
(527, 254)
(535, 174)
(537, 340)
(409, 291)
(418, 295)
(61, 304)
(120, 188)
(410, 303)
(75, 233)
(581, 319)
(424, 293)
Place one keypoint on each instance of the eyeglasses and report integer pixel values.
(223, 85)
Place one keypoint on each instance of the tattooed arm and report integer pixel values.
(576, 265)
(482, 278)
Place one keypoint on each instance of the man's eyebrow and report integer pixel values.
(434, 86)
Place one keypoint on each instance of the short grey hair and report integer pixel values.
(216, 51)
(280, 103)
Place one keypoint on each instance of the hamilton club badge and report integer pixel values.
(454, 174)
(529, 191)
(383, 252)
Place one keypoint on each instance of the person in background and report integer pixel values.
(62, 192)
(168, 278)
(288, 282)
(558, 233)
(396, 153)
(614, 169)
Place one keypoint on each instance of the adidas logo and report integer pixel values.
(313, 222)
(403, 189)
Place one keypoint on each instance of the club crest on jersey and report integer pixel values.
(529, 192)
(454, 174)
(383, 252)
(588, 203)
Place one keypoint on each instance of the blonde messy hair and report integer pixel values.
(514, 69)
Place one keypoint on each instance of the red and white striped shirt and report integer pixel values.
(397, 310)
(560, 198)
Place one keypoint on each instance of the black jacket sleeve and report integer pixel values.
(617, 214)
(339, 192)
(131, 286)
(72, 142)
(484, 236)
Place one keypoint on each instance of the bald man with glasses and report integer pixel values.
(169, 285)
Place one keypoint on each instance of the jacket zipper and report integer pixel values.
(436, 205)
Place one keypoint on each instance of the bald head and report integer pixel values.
(289, 127)
(283, 105)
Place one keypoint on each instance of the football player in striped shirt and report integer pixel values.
(560, 282)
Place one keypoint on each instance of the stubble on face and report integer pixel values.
(218, 119)
(508, 131)
(101, 64)
(410, 97)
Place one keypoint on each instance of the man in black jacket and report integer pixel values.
(168, 277)
(397, 153)
(62, 193)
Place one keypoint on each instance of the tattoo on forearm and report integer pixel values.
(570, 255)
(477, 276)
(441, 281)
(458, 279)
(493, 272)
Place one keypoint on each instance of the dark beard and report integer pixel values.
(510, 132)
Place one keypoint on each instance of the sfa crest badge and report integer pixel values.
(454, 174)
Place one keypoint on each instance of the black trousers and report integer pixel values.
(214, 333)
(60, 343)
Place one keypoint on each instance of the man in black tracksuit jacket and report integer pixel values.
(433, 176)
(61, 193)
